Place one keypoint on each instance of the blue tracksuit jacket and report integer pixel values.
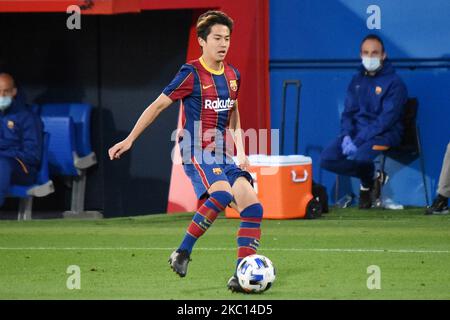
(374, 107)
(21, 136)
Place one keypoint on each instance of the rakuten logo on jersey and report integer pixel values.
(219, 105)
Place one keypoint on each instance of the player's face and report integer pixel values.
(372, 48)
(217, 43)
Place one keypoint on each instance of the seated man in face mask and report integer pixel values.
(372, 117)
(20, 139)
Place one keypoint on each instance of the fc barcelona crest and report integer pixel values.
(233, 85)
(217, 171)
(378, 90)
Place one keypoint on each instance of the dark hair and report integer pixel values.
(373, 37)
(210, 18)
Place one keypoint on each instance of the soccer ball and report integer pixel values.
(256, 273)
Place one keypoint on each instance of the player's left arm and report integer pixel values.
(235, 127)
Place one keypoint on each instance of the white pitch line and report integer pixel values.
(225, 249)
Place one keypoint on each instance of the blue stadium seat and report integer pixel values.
(42, 187)
(70, 152)
(62, 153)
(81, 116)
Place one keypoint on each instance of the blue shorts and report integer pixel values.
(203, 174)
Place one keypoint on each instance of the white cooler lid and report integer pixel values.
(277, 160)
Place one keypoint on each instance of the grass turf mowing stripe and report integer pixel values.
(233, 249)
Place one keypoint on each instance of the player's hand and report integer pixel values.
(243, 162)
(119, 148)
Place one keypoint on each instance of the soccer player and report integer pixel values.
(208, 88)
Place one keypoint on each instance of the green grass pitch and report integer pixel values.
(328, 258)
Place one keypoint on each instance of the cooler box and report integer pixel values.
(283, 185)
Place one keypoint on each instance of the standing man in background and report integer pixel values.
(440, 203)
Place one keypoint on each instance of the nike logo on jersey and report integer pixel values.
(206, 87)
(219, 105)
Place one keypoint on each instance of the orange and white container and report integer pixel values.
(283, 185)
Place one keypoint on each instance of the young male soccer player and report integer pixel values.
(208, 88)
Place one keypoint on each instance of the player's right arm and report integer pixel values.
(180, 87)
(147, 117)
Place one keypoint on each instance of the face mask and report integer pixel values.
(371, 64)
(5, 102)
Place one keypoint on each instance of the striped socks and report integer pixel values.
(249, 231)
(204, 217)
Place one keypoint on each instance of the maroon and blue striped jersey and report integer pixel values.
(208, 97)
